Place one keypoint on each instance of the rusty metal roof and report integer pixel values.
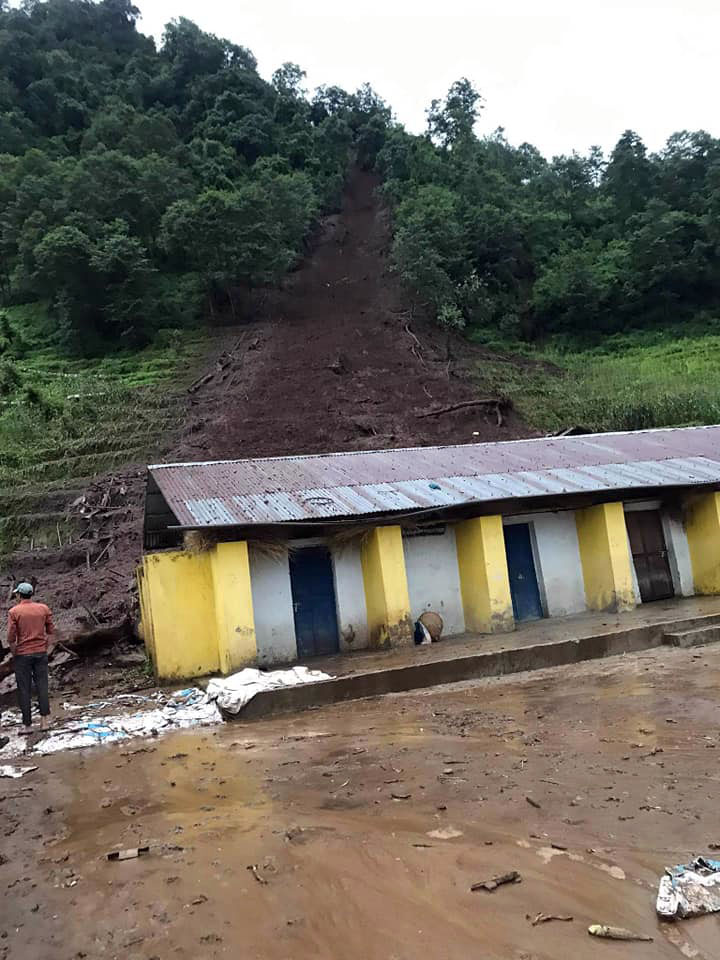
(334, 485)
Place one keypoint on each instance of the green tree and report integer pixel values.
(246, 237)
(453, 119)
(628, 176)
(429, 246)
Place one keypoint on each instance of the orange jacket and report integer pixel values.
(30, 624)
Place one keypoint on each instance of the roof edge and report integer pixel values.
(448, 446)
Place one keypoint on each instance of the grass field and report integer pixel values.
(631, 381)
(70, 418)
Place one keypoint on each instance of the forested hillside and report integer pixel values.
(141, 186)
(147, 189)
(499, 236)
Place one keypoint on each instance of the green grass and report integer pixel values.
(631, 381)
(73, 417)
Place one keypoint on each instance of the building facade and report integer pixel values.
(263, 562)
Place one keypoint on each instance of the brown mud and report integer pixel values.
(367, 824)
(342, 360)
(337, 359)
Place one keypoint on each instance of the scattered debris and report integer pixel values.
(615, 933)
(547, 917)
(689, 890)
(184, 708)
(512, 877)
(445, 833)
(533, 803)
(400, 796)
(254, 870)
(131, 853)
(7, 770)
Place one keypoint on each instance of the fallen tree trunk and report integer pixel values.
(498, 403)
(487, 401)
(89, 642)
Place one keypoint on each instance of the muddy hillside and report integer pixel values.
(340, 358)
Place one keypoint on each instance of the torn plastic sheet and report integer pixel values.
(234, 692)
(184, 708)
(7, 770)
(689, 890)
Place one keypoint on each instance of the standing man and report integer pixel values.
(30, 625)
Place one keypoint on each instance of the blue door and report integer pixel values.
(313, 593)
(521, 570)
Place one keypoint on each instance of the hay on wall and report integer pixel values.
(199, 541)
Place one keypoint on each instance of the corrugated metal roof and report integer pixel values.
(286, 489)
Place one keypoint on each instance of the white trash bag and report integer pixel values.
(689, 890)
(233, 693)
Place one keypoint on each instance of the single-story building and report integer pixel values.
(260, 562)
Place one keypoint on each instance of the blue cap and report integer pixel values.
(24, 589)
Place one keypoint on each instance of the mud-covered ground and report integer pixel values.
(368, 822)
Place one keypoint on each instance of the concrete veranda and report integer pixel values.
(543, 643)
(552, 630)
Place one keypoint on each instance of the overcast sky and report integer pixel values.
(561, 74)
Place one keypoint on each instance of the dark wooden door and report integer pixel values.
(521, 571)
(313, 593)
(647, 543)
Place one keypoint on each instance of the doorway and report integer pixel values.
(313, 594)
(524, 588)
(649, 553)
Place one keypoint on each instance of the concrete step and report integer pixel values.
(693, 638)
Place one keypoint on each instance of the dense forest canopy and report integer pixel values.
(140, 186)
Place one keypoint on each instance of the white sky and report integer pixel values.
(561, 74)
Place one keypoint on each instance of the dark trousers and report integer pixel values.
(32, 666)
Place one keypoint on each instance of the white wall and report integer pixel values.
(350, 597)
(273, 608)
(678, 553)
(433, 578)
(557, 561)
(558, 554)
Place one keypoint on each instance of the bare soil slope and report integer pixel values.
(339, 361)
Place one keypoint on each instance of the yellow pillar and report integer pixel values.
(484, 581)
(702, 525)
(605, 557)
(234, 617)
(178, 608)
(386, 590)
(146, 627)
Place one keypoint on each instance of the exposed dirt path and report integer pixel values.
(340, 362)
(618, 755)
